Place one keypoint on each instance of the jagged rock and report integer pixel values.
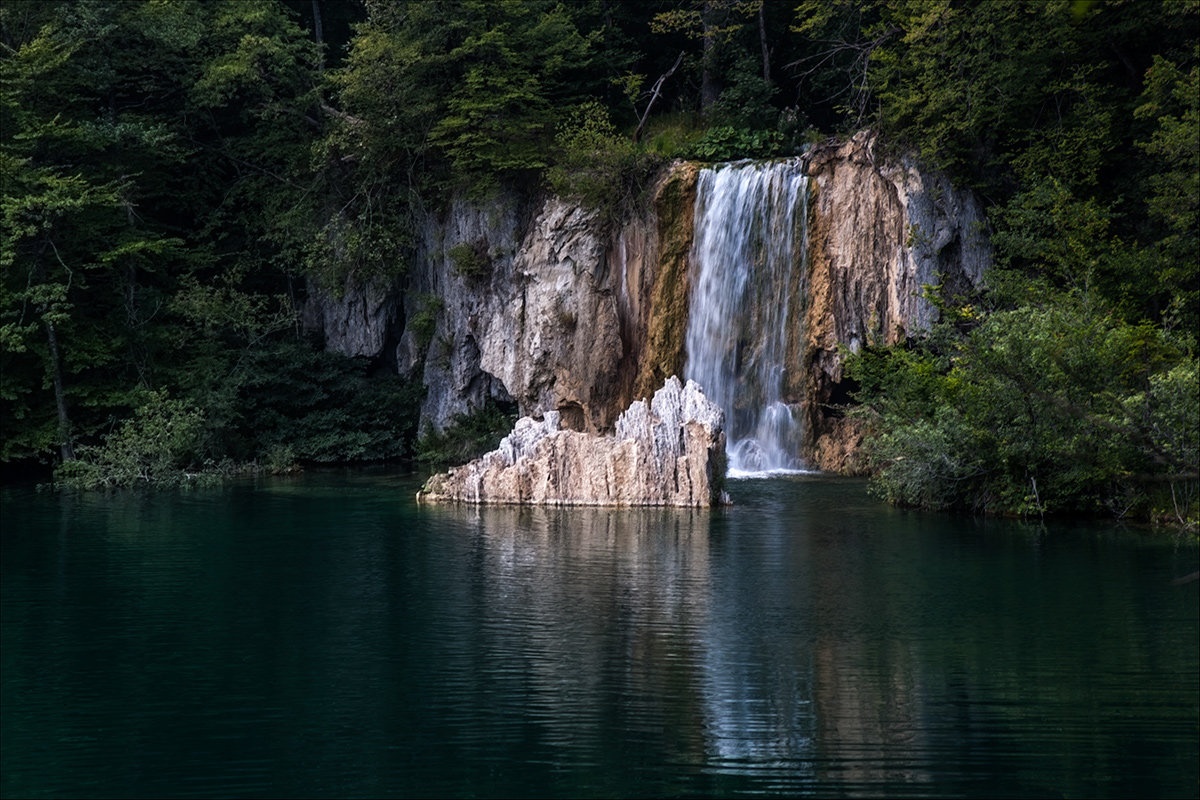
(556, 344)
(670, 452)
(355, 322)
(880, 230)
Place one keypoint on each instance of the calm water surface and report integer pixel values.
(324, 636)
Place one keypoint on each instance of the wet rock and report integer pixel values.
(668, 452)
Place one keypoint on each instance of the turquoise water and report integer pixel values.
(324, 636)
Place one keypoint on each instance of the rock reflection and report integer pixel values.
(598, 614)
(867, 682)
(716, 644)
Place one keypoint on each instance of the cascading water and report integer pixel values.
(747, 265)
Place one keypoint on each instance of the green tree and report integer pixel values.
(159, 203)
(81, 157)
(1171, 98)
(1039, 409)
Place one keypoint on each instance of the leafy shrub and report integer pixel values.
(726, 143)
(470, 436)
(470, 259)
(1035, 410)
(745, 102)
(300, 404)
(596, 166)
(285, 404)
(423, 323)
(161, 445)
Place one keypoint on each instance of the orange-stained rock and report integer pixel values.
(880, 231)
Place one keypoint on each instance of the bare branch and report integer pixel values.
(658, 84)
(342, 115)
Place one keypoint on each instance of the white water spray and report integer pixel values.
(747, 265)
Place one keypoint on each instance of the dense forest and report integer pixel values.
(178, 175)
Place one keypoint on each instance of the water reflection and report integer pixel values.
(594, 615)
(334, 639)
(868, 696)
(718, 636)
(802, 648)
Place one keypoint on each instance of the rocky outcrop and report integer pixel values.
(560, 313)
(880, 230)
(464, 272)
(668, 452)
(357, 321)
(556, 344)
(522, 310)
(548, 307)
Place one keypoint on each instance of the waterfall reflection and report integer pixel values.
(722, 638)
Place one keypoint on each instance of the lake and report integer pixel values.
(323, 636)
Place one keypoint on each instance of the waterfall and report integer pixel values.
(744, 322)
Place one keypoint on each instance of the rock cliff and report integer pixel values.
(358, 321)
(556, 343)
(879, 231)
(543, 305)
(556, 310)
(464, 277)
(669, 452)
(523, 310)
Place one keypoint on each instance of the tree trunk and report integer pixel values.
(637, 134)
(762, 38)
(66, 446)
(710, 89)
(318, 31)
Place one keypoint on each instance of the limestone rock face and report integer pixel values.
(357, 322)
(556, 342)
(564, 314)
(668, 452)
(879, 231)
(535, 322)
(446, 306)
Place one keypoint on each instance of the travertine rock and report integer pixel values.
(670, 452)
(536, 325)
(569, 316)
(880, 230)
(356, 322)
(555, 345)
(663, 282)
